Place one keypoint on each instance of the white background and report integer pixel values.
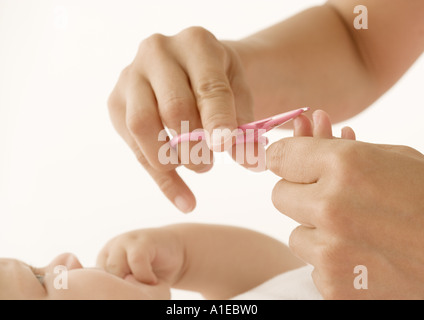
(68, 182)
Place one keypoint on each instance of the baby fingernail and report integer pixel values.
(315, 117)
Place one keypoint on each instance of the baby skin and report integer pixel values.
(219, 262)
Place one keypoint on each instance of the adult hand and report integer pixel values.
(358, 204)
(188, 77)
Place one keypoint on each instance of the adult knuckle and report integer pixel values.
(126, 238)
(173, 107)
(158, 167)
(329, 254)
(166, 184)
(335, 254)
(112, 102)
(205, 41)
(327, 210)
(126, 72)
(274, 152)
(213, 87)
(294, 240)
(152, 45)
(275, 195)
(138, 124)
(273, 155)
(156, 40)
(333, 216)
(116, 98)
(215, 119)
(333, 212)
(344, 157)
(277, 156)
(197, 34)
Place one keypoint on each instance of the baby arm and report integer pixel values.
(217, 261)
(229, 260)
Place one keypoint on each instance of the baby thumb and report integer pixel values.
(141, 269)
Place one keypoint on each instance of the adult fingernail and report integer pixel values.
(183, 204)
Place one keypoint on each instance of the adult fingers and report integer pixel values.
(251, 155)
(169, 182)
(144, 124)
(288, 198)
(207, 66)
(242, 94)
(300, 159)
(174, 188)
(177, 107)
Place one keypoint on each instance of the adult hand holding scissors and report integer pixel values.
(166, 84)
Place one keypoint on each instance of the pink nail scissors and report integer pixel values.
(258, 128)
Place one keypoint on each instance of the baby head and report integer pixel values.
(65, 279)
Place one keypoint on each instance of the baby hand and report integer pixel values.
(319, 128)
(150, 256)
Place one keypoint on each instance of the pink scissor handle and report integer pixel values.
(189, 136)
(258, 128)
